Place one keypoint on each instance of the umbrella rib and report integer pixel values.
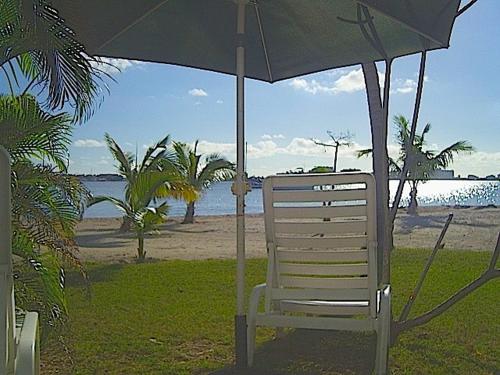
(263, 40)
(412, 28)
(129, 26)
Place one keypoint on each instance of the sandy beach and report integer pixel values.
(214, 236)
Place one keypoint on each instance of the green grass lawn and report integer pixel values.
(176, 317)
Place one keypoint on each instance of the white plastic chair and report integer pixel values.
(322, 262)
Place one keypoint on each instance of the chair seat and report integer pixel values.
(315, 322)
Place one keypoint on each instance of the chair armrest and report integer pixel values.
(384, 302)
(255, 296)
(28, 347)
(386, 289)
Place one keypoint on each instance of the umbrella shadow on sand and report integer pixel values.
(176, 226)
(104, 240)
(312, 352)
(407, 224)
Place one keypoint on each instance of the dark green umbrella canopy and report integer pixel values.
(284, 38)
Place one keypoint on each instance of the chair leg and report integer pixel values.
(251, 322)
(383, 333)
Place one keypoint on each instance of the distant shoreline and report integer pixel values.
(116, 177)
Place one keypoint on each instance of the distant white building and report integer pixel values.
(440, 174)
(443, 174)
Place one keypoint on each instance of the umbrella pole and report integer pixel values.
(240, 189)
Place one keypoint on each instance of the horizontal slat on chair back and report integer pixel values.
(323, 269)
(324, 227)
(321, 229)
(312, 196)
(341, 256)
(298, 212)
(302, 281)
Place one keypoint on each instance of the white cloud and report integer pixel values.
(227, 149)
(405, 86)
(89, 143)
(197, 92)
(268, 147)
(480, 163)
(349, 82)
(267, 137)
(352, 81)
(114, 66)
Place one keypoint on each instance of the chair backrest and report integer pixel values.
(321, 238)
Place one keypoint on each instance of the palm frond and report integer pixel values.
(28, 132)
(150, 161)
(158, 185)
(445, 157)
(118, 203)
(364, 152)
(36, 37)
(47, 206)
(124, 159)
(217, 168)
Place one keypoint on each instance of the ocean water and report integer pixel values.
(218, 200)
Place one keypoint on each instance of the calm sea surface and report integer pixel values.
(218, 200)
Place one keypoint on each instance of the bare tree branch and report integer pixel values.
(343, 139)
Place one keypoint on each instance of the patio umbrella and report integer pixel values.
(268, 40)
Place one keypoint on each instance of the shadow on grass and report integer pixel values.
(312, 352)
(96, 274)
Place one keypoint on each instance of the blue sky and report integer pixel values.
(461, 100)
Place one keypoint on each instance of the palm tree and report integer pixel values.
(156, 177)
(36, 42)
(200, 176)
(39, 50)
(422, 163)
(46, 203)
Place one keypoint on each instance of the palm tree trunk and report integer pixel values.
(335, 158)
(189, 216)
(141, 253)
(412, 207)
(126, 225)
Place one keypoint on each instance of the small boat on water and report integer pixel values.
(255, 182)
